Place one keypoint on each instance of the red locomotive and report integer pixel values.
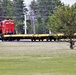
(7, 27)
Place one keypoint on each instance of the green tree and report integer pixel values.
(39, 29)
(10, 9)
(29, 28)
(43, 9)
(46, 7)
(19, 11)
(1, 10)
(6, 9)
(63, 20)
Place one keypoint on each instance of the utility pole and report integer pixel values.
(25, 22)
(25, 27)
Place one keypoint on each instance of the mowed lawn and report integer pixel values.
(37, 58)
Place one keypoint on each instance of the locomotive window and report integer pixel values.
(11, 22)
(0, 24)
(7, 22)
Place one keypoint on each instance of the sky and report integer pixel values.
(65, 1)
(69, 1)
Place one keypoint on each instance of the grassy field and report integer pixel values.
(37, 58)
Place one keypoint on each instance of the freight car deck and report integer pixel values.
(33, 37)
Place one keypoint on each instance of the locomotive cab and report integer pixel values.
(7, 27)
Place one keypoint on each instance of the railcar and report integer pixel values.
(7, 32)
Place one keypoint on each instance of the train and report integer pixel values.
(7, 33)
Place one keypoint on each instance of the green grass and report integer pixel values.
(32, 65)
(36, 59)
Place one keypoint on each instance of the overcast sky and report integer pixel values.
(69, 1)
(65, 1)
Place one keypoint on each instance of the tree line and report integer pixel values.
(42, 9)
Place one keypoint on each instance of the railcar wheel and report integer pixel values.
(32, 40)
(42, 39)
(18, 39)
(47, 39)
(50, 39)
(39, 39)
